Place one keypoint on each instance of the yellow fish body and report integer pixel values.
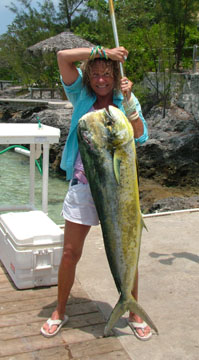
(106, 143)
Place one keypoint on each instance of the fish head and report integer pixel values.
(105, 129)
(92, 129)
(120, 129)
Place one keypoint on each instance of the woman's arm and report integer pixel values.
(66, 61)
(67, 58)
(130, 108)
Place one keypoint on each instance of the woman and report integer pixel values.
(96, 86)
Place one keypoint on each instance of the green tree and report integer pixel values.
(29, 27)
(137, 13)
(149, 29)
(97, 27)
(68, 9)
(179, 15)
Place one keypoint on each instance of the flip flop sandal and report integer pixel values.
(51, 322)
(135, 325)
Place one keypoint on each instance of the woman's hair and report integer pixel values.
(86, 68)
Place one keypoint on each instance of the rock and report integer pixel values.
(171, 155)
(174, 203)
(55, 116)
(59, 118)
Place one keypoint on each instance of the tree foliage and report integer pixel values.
(159, 35)
(67, 10)
(179, 15)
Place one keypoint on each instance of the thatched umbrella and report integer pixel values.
(64, 40)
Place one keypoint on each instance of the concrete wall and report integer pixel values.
(189, 96)
(184, 89)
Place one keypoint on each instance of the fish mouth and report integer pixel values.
(109, 120)
(117, 130)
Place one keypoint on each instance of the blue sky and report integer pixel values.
(6, 16)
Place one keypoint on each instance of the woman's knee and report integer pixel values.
(71, 256)
(74, 237)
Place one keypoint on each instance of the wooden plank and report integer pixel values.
(17, 295)
(26, 356)
(20, 296)
(83, 320)
(95, 347)
(39, 347)
(7, 287)
(4, 278)
(23, 312)
(58, 352)
(62, 353)
(2, 270)
(113, 355)
(30, 316)
(31, 342)
(28, 344)
(78, 335)
(17, 331)
(23, 305)
(33, 328)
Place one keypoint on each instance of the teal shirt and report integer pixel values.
(82, 101)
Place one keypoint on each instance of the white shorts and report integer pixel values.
(78, 206)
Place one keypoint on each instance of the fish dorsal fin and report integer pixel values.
(116, 165)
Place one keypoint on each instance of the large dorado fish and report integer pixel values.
(106, 143)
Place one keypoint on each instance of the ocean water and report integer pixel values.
(14, 185)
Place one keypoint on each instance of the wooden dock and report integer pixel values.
(22, 312)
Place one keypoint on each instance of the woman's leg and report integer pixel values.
(74, 236)
(134, 317)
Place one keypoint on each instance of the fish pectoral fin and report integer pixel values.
(116, 165)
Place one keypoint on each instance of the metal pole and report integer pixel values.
(32, 175)
(46, 147)
(115, 34)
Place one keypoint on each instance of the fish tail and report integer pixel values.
(135, 308)
(127, 305)
(119, 309)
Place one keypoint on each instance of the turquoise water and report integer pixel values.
(14, 185)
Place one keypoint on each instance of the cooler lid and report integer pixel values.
(31, 228)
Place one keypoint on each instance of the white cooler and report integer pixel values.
(30, 248)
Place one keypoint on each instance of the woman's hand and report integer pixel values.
(126, 87)
(117, 54)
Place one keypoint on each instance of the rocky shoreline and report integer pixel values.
(168, 161)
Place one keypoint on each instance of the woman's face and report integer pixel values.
(101, 78)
